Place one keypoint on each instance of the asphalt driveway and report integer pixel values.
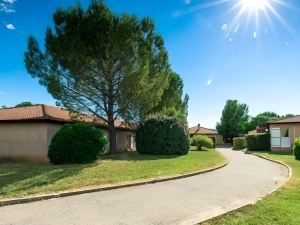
(186, 201)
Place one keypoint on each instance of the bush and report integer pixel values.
(258, 142)
(296, 149)
(77, 143)
(162, 136)
(239, 143)
(202, 141)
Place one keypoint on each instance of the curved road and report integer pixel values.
(186, 201)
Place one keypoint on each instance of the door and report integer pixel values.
(275, 137)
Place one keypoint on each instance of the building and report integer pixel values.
(258, 130)
(283, 133)
(26, 132)
(213, 134)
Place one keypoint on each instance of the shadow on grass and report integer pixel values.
(281, 153)
(290, 153)
(135, 156)
(226, 146)
(200, 150)
(21, 177)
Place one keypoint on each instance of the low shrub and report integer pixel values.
(239, 143)
(162, 136)
(296, 149)
(77, 143)
(258, 142)
(202, 141)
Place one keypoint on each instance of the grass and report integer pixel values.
(24, 179)
(280, 208)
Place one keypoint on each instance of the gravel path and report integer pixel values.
(186, 201)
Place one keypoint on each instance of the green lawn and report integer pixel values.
(280, 208)
(23, 179)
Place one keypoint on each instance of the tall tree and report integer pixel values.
(96, 61)
(234, 119)
(261, 120)
(172, 101)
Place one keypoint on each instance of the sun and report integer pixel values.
(258, 16)
(254, 4)
(256, 12)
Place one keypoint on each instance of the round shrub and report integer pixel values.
(162, 136)
(297, 149)
(77, 143)
(239, 143)
(202, 141)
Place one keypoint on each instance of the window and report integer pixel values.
(285, 138)
(285, 132)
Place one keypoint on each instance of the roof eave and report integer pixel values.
(282, 122)
(61, 121)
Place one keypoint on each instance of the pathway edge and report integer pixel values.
(16, 201)
(290, 173)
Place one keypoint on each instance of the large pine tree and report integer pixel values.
(96, 61)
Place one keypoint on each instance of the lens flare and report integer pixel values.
(254, 4)
(245, 13)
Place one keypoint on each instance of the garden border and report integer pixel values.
(106, 188)
(278, 162)
(290, 173)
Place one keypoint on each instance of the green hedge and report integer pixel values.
(239, 143)
(258, 142)
(297, 149)
(162, 136)
(202, 141)
(77, 143)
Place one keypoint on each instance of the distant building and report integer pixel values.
(258, 130)
(284, 132)
(213, 134)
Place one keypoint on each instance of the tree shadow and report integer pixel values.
(290, 153)
(19, 178)
(226, 146)
(280, 153)
(200, 150)
(135, 156)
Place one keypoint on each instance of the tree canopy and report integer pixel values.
(234, 119)
(113, 66)
(287, 115)
(24, 104)
(172, 103)
(261, 120)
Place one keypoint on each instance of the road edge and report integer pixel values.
(16, 201)
(290, 173)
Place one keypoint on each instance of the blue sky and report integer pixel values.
(218, 57)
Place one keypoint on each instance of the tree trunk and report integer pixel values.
(112, 138)
(112, 131)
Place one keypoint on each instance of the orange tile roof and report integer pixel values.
(24, 113)
(293, 119)
(51, 113)
(201, 130)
